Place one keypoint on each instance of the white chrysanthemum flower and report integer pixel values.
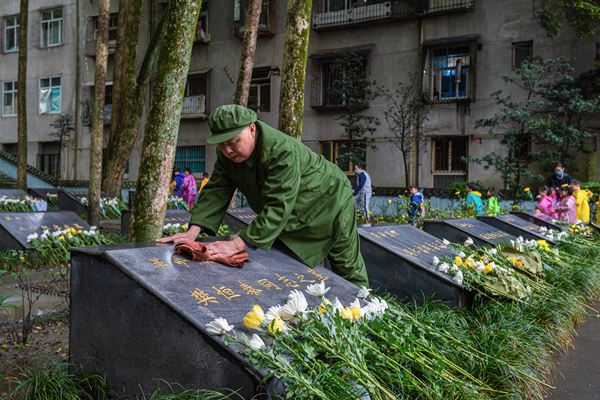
(479, 266)
(469, 242)
(317, 290)
(219, 326)
(295, 306)
(446, 242)
(363, 292)
(337, 305)
(454, 268)
(435, 261)
(31, 237)
(494, 251)
(256, 342)
(272, 313)
(462, 254)
(355, 303)
(458, 278)
(443, 267)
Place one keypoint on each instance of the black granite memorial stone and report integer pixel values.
(44, 193)
(399, 260)
(71, 201)
(538, 219)
(15, 227)
(138, 313)
(459, 229)
(238, 218)
(171, 217)
(13, 193)
(516, 226)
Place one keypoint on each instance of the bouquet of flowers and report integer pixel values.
(110, 208)
(177, 203)
(25, 204)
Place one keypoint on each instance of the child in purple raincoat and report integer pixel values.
(189, 188)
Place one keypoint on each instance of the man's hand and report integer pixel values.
(225, 248)
(191, 234)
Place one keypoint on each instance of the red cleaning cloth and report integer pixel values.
(197, 251)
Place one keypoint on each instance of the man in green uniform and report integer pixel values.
(299, 197)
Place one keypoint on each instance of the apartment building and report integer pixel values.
(456, 50)
(51, 77)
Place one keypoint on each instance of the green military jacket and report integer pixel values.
(295, 192)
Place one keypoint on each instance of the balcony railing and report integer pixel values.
(90, 47)
(194, 107)
(325, 16)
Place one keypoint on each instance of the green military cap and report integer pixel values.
(227, 121)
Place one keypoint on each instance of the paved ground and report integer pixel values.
(578, 371)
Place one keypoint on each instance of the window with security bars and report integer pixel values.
(11, 33)
(449, 153)
(51, 26)
(259, 96)
(338, 151)
(450, 78)
(521, 51)
(192, 157)
(9, 99)
(194, 98)
(340, 81)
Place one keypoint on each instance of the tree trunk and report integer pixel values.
(248, 50)
(291, 101)
(21, 98)
(129, 118)
(97, 134)
(160, 137)
(406, 172)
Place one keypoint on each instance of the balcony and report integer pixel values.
(193, 107)
(90, 47)
(329, 14)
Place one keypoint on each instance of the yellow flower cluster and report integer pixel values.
(469, 263)
(254, 318)
(516, 262)
(351, 313)
(543, 245)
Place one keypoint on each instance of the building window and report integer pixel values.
(9, 99)
(521, 51)
(192, 157)
(449, 163)
(265, 22)
(450, 78)
(51, 24)
(259, 98)
(11, 33)
(338, 152)
(202, 34)
(48, 158)
(340, 81)
(50, 95)
(194, 100)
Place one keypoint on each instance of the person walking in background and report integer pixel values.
(204, 181)
(567, 207)
(559, 178)
(172, 185)
(189, 188)
(546, 203)
(364, 190)
(474, 199)
(581, 202)
(416, 205)
(492, 207)
(178, 189)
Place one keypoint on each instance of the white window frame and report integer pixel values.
(50, 87)
(45, 30)
(15, 29)
(14, 97)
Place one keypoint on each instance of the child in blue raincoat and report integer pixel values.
(474, 199)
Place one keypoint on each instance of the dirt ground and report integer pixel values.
(48, 341)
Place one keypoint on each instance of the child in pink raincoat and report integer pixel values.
(567, 207)
(189, 188)
(546, 204)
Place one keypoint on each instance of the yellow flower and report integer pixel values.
(389, 201)
(276, 326)
(469, 263)
(488, 268)
(323, 306)
(346, 313)
(355, 313)
(458, 261)
(254, 318)
(457, 193)
(79, 232)
(527, 190)
(61, 237)
(21, 258)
